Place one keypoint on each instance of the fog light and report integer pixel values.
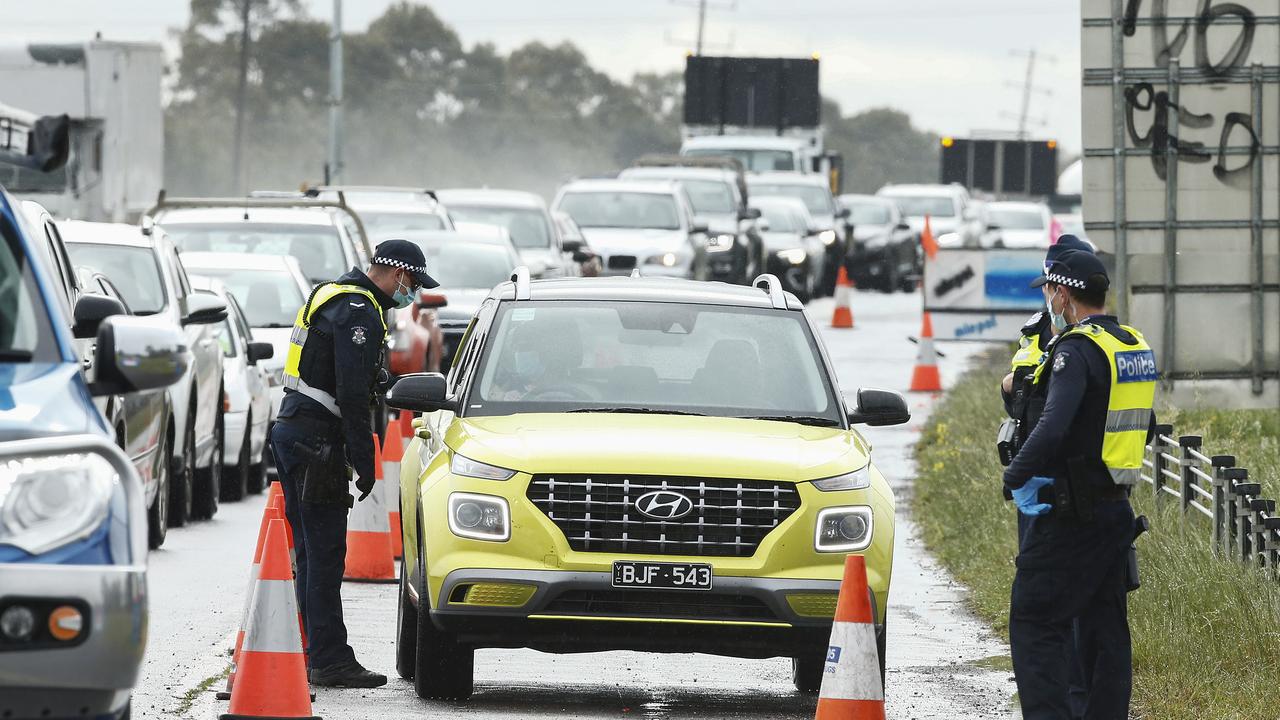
(813, 604)
(843, 529)
(66, 623)
(469, 514)
(498, 594)
(853, 527)
(17, 623)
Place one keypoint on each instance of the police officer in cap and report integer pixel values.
(1070, 478)
(323, 436)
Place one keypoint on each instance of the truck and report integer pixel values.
(111, 93)
(766, 113)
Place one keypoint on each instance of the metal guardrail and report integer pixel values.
(1244, 524)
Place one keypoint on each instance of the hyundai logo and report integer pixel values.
(664, 505)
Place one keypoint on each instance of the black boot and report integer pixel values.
(348, 675)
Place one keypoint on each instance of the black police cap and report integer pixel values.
(1076, 269)
(406, 256)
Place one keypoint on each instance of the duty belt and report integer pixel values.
(300, 386)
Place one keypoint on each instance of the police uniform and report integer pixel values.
(1098, 381)
(323, 435)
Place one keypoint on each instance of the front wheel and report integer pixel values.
(444, 669)
(158, 513)
(235, 478)
(183, 477)
(407, 630)
(208, 485)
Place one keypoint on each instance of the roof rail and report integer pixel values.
(520, 276)
(771, 285)
(635, 273)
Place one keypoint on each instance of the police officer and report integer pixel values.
(1070, 478)
(323, 435)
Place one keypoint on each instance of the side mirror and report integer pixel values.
(260, 351)
(204, 309)
(581, 256)
(573, 245)
(993, 226)
(843, 213)
(748, 213)
(427, 299)
(136, 354)
(90, 311)
(902, 226)
(420, 392)
(812, 230)
(762, 225)
(699, 226)
(879, 407)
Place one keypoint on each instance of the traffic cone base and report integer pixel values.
(842, 317)
(851, 683)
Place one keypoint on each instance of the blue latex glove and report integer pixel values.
(1026, 496)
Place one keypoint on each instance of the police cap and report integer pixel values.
(404, 255)
(1063, 244)
(1076, 269)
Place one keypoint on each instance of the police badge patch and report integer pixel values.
(358, 336)
(1059, 362)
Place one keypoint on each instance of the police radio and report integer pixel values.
(1007, 441)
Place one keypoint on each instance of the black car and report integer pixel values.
(883, 251)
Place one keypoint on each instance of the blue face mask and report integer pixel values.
(403, 296)
(527, 363)
(1059, 320)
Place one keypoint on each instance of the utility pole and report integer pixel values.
(702, 21)
(237, 152)
(334, 167)
(1026, 95)
(1028, 88)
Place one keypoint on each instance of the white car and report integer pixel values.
(757, 153)
(270, 289)
(526, 218)
(1011, 224)
(245, 401)
(389, 212)
(644, 224)
(949, 208)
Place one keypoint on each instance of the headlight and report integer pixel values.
(856, 480)
(720, 243)
(843, 529)
(827, 236)
(479, 517)
(467, 467)
(665, 260)
(49, 502)
(795, 256)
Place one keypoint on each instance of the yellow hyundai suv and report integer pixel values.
(635, 464)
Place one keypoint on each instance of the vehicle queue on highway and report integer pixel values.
(178, 327)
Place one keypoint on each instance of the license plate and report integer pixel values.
(672, 576)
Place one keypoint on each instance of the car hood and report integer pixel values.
(611, 241)
(43, 399)
(463, 302)
(872, 232)
(724, 223)
(691, 446)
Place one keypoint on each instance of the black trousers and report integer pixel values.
(1077, 692)
(320, 547)
(1070, 585)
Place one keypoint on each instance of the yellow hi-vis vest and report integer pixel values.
(1133, 394)
(1029, 354)
(298, 340)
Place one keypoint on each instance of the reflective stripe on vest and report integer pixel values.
(301, 331)
(1133, 393)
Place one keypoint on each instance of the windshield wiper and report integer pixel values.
(14, 355)
(802, 419)
(636, 410)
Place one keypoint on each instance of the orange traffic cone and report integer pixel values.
(851, 683)
(273, 511)
(925, 377)
(406, 429)
(369, 532)
(272, 671)
(843, 315)
(391, 485)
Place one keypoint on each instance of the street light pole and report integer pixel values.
(334, 167)
(237, 152)
(702, 20)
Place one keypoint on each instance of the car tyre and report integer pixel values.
(235, 478)
(208, 484)
(444, 669)
(407, 630)
(183, 477)
(158, 513)
(892, 277)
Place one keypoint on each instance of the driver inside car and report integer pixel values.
(540, 360)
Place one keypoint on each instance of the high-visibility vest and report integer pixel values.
(1029, 353)
(1133, 394)
(302, 329)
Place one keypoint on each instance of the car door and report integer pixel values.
(206, 355)
(259, 395)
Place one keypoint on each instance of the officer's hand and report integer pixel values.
(365, 486)
(1026, 496)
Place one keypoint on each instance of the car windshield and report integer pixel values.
(921, 205)
(560, 356)
(270, 298)
(780, 219)
(467, 265)
(25, 330)
(711, 197)
(816, 198)
(622, 210)
(752, 160)
(863, 212)
(527, 227)
(386, 225)
(318, 248)
(1011, 219)
(133, 270)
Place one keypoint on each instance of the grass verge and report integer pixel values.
(1206, 632)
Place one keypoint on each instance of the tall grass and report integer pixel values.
(1206, 631)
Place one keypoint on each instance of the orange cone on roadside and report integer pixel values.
(843, 315)
(369, 532)
(406, 429)
(272, 670)
(273, 511)
(925, 378)
(391, 485)
(851, 685)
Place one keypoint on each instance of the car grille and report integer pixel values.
(729, 517)
(679, 604)
(622, 262)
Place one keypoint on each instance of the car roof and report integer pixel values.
(666, 172)
(642, 289)
(1017, 205)
(237, 261)
(247, 215)
(933, 190)
(490, 196)
(743, 141)
(102, 233)
(863, 198)
(779, 201)
(786, 178)
(474, 233)
(657, 187)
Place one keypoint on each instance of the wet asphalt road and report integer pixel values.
(938, 659)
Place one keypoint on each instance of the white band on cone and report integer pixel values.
(852, 671)
(391, 484)
(370, 514)
(273, 623)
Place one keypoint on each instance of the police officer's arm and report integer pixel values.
(357, 347)
(1006, 394)
(1066, 390)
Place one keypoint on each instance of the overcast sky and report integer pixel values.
(956, 66)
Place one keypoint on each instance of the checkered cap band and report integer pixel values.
(1064, 280)
(390, 262)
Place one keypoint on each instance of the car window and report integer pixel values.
(864, 212)
(26, 332)
(472, 343)
(816, 198)
(781, 219)
(921, 205)
(710, 196)
(179, 274)
(135, 271)
(384, 225)
(1016, 219)
(752, 160)
(622, 210)
(555, 356)
(270, 298)
(317, 248)
(466, 265)
(528, 227)
(62, 265)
